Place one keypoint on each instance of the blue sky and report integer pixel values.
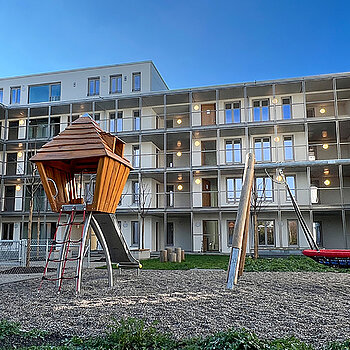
(192, 43)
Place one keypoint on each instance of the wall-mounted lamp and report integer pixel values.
(323, 110)
(326, 171)
(275, 100)
(279, 178)
(324, 133)
(179, 121)
(179, 154)
(198, 181)
(21, 122)
(277, 139)
(325, 146)
(179, 143)
(197, 143)
(18, 188)
(327, 182)
(180, 187)
(179, 177)
(196, 107)
(20, 145)
(20, 154)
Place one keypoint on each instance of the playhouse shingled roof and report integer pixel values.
(82, 139)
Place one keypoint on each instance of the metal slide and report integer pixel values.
(106, 226)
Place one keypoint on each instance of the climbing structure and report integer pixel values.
(84, 149)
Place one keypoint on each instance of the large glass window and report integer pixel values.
(136, 156)
(288, 147)
(44, 93)
(233, 151)
(116, 125)
(233, 189)
(170, 234)
(266, 232)
(38, 128)
(7, 231)
(292, 232)
(230, 230)
(262, 149)
(15, 95)
(137, 120)
(115, 84)
(291, 183)
(1, 95)
(136, 81)
(233, 112)
(135, 234)
(135, 192)
(261, 110)
(94, 86)
(287, 107)
(264, 188)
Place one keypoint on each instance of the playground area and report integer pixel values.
(309, 305)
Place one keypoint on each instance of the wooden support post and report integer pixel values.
(242, 214)
(178, 255)
(169, 251)
(172, 257)
(183, 258)
(163, 256)
(245, 242)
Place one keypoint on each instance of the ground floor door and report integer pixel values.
(210, 236)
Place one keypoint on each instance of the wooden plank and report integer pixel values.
(72, 141)
(110, 186)
(68, 155)
(101, 170)
(105, 186)
(46, 186)
(71, 148)
(121, 187)
(245, 242)
(116, 189)
(114, 185)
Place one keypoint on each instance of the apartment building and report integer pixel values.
(188, 149)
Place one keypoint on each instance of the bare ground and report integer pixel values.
(315, 307)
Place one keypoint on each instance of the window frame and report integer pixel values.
(95, 79)
(228, 231)
(264, 198)
(261, 118)
(290, 106)
(262, 148)
(293, 190)
(233, 142)
(265, 231)
(135, 194)
(116, 76)
(135, 243)
(18, 95)
(233, 109)
(173, 234)
(135, 118)
(136, 158)
(1, 95)
(297, 233)
(136, 74)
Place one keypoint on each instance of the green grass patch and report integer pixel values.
(199, 261)
(134, 334)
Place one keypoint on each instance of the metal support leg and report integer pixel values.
(62, 253)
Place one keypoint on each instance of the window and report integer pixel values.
(266, 232)
(1, 95)
(291, 183)
(287, 107)
(170, 233)
(135, 233)
(135, 192)
(136, 81)
(94, 86)
(38, 128)
(288, 147)
(15, 95)
(7, 231)
(233, 112)
(292, 232)
(261, 110)
(264, 188)
(310, 112)
(233, 189)
(11, 164)
(170, 195)
(116, 125)
(262, 149)
(137, 120)
(115, 84)
(233, 151)
(44, 93)
(136, 156)
(97, 118)
(230, 230)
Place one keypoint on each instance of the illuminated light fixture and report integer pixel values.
(323, 110)
(179, 177)
(180, 187)
(179, 121)
(81, 106)
(277, 139)
(18, 180)
(326, 171)
(275, 100)
(196, 107)
(327, 182)
(324, 133)
(20, 145)
(197, 143)
(18, 188)
(325, 146)
(197, 171)
(198, 181)
(21, 122)
(179, 154)
(19, 154)
(279, 178)
(179, 143)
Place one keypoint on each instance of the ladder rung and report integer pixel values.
(66, 259)
(69, 241)
(58, 278)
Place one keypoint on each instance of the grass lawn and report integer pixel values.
(193, 261)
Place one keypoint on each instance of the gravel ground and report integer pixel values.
(312, 306)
